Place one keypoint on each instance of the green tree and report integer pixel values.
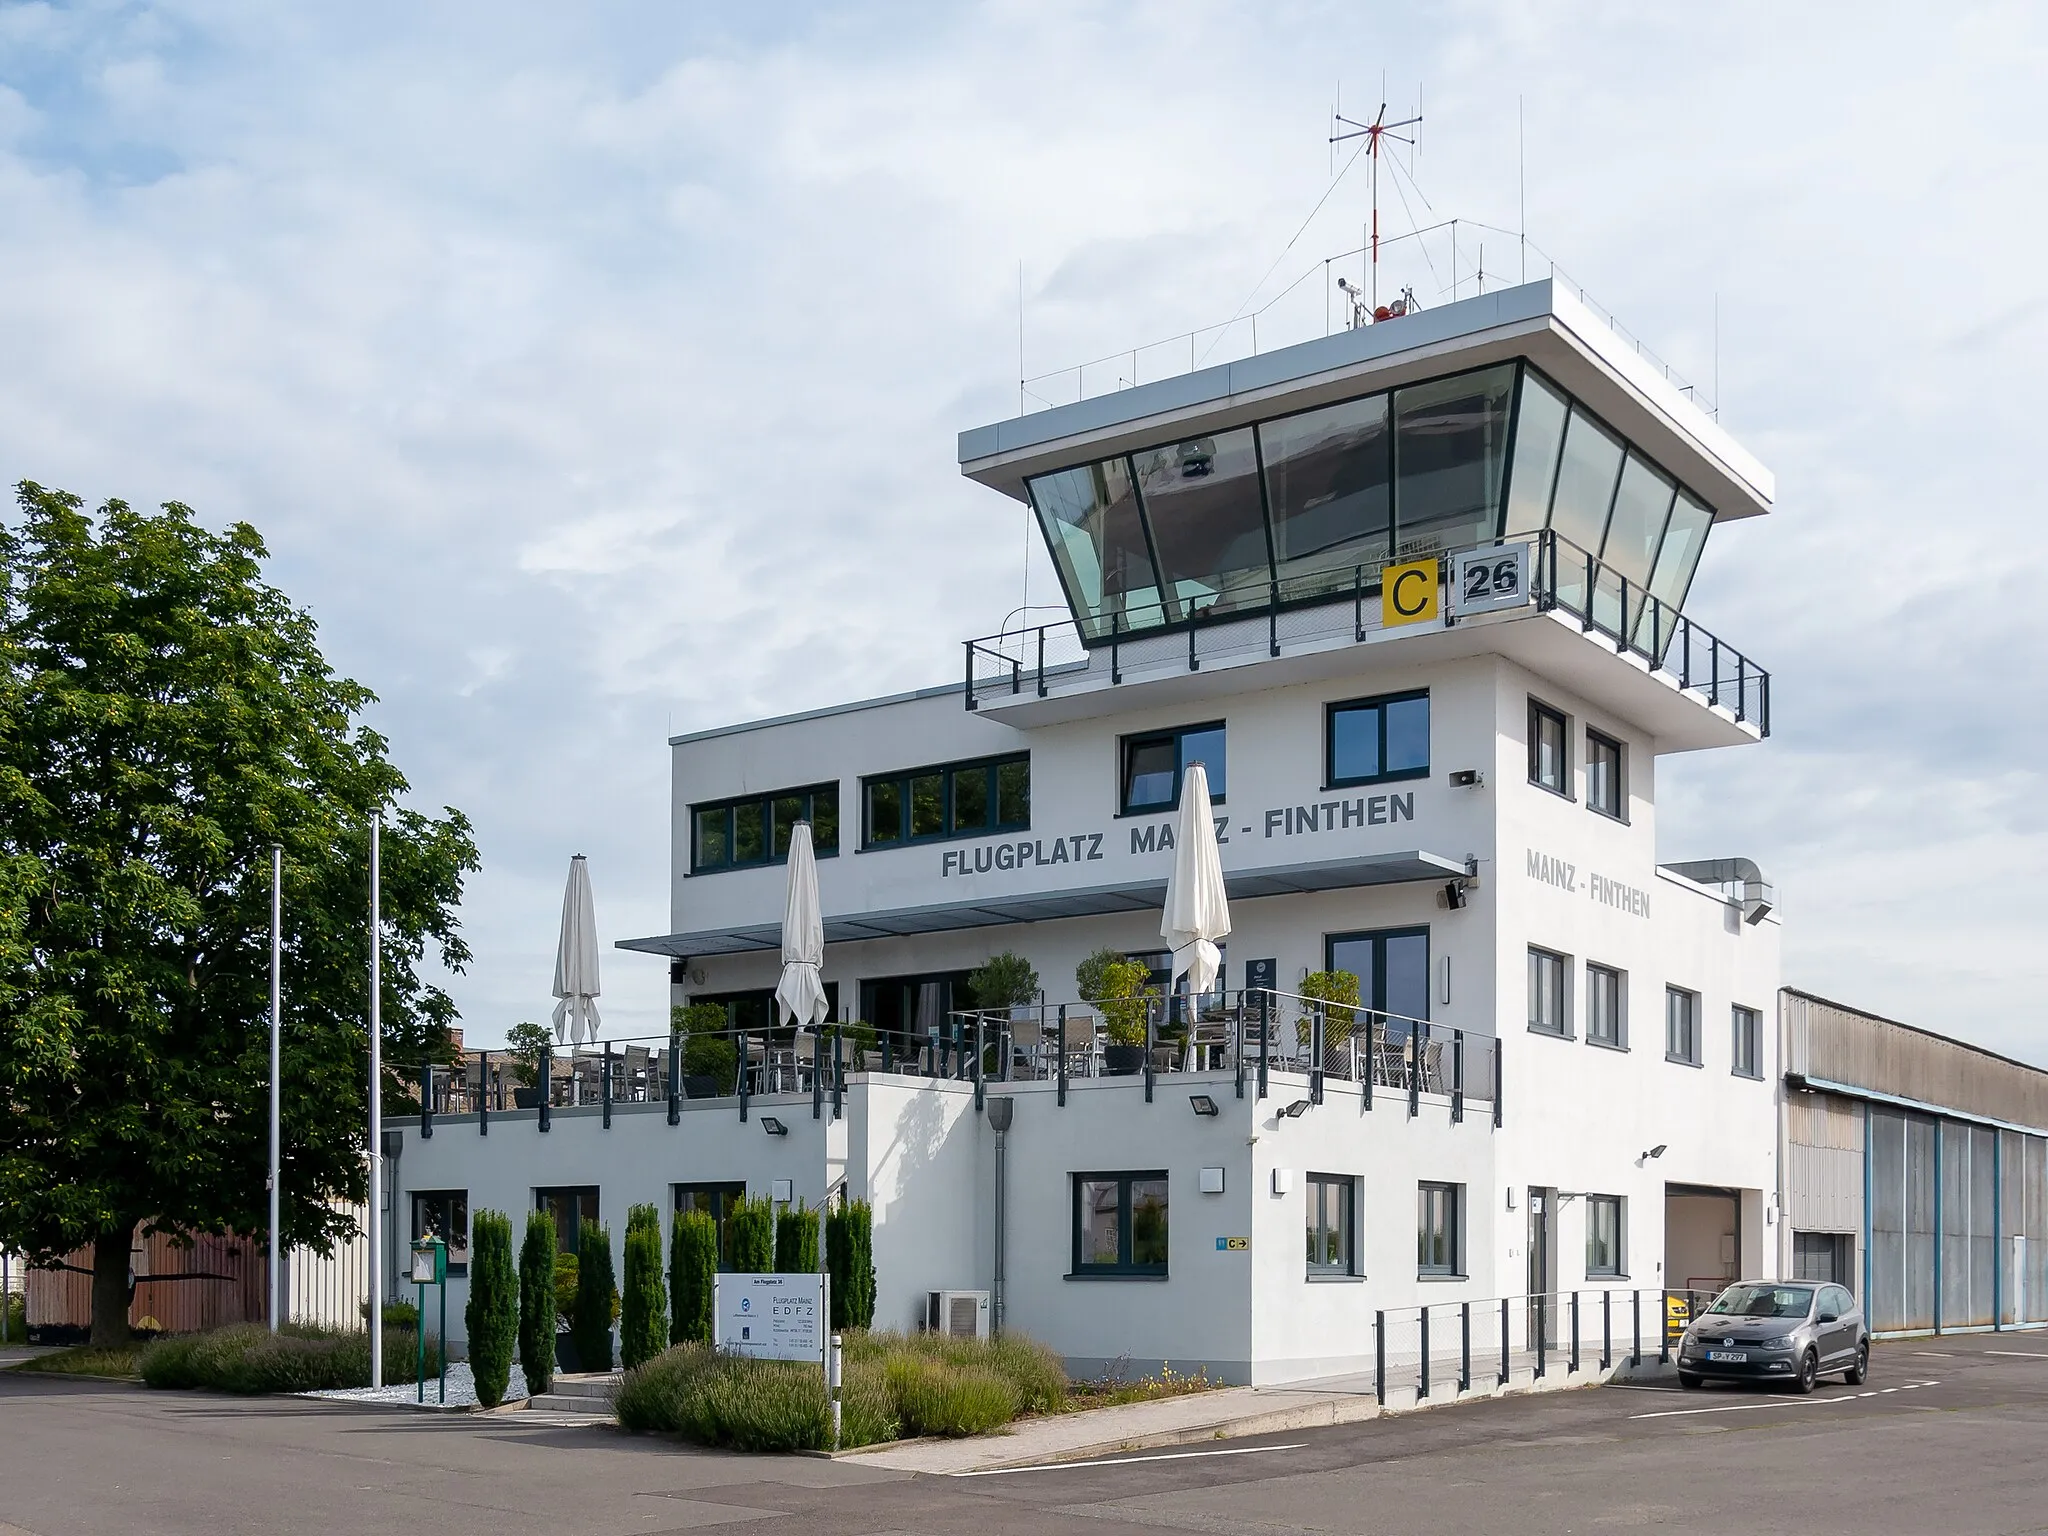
(796, 1241)
(692, 1275)
(492, 1315)
(597, 1298)
(850, 1260)
(528, 1046)
(165, 717)
(643, 1326)
(750, 1236)
(537, 1302)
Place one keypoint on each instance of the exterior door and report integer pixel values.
(1541, 1321)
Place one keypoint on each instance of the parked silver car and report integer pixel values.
(1777, 1330)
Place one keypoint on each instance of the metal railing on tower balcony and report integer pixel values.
(1332, 606)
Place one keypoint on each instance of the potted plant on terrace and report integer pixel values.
(1005, 984)
(1337, 992)
(527, 1045)
(1117, 988)
(709, 1059)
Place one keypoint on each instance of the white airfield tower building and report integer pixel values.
(1415, 596)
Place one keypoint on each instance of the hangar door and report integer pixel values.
(1957, 1223)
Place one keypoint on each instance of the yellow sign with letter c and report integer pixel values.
(1408, 592)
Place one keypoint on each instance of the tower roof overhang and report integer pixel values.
(1541, 321)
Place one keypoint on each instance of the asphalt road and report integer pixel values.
(1946, 1437)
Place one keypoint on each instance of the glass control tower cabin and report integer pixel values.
(1415, 595)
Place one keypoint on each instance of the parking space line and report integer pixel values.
(2013, 1354)
(1781, 1402)
(1126, 1461)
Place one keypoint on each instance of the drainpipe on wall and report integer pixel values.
(1000, 1111)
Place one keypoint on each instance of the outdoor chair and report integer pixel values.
(1433, 1067)
(632, 1082)
(1390, 1061)
(1028, 1044)
(1080, 1044)
(802, 1058)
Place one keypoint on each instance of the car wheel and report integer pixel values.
(1688, 1380)
(1859, 1373)
(1809, 1373)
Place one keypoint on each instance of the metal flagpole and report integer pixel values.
(375, 1209)
(276, 1057)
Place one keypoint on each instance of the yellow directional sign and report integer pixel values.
(1408, 592)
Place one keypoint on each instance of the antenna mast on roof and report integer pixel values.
(1373, 132)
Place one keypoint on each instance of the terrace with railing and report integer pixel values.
(1336, 608)
(1236, 1042)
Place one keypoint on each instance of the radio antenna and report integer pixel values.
(1373, 132)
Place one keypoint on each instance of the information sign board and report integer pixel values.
(1488, 580)
(770, 1317)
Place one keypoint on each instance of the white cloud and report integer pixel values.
(541, 343)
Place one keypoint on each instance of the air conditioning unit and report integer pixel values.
(962, 1314)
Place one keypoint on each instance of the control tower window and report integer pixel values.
(1329, 479)
(1155, 764)
(1450, 454)
(1090, 518)
(1539, 438)
(1201, 499)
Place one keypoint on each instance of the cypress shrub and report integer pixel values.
(643, 1324)
(492, 1315)
(796, 1241)
(850, 1259)
(751, 1234)
(597, 1294)
(692, 1272)
(537, 1303)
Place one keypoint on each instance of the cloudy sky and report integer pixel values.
(540, 341)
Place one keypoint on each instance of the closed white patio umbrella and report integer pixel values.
(1197, 911)
(576, 961)
(801, 992)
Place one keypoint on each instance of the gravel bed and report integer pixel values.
(461, 1389)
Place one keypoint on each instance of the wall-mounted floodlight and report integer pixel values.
(773, 1126)
(1654, 1152)
(1202, 1104)
(1454, 895)
(1296, 1110)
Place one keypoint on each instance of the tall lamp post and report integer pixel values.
(276, 1061)
(375, 1209)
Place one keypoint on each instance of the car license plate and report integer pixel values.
(1728, 1356)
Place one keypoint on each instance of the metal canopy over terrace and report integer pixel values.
(1093, 901)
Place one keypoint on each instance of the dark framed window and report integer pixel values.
(1606, 1007)
(1370, 741)
(1746, 1048)
(1682, 1026)
(571, 1206)
(757, 1009)
(1603, 1237)
(1392, 967)
(1120, 1223)
(1439, 1236)
(1606, 787)
(740, 834)
(1550, 993)
(1550, 765)
(715, 1200)
(444, 1213)
(1332, 1224)
(1153, 765)
(967, 799)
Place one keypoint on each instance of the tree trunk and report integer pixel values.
(110, 1286)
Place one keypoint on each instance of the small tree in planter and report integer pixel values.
(492, 1315)
(1337, 991)
(796, 1241)
(850, 1260)
(692, 1274)
(528, 1046)
(643, 1324)
(751, 1235)
(1116, 986)
(537, 1309)
(1003, 981)
(710, 1060)
(597, 1299)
